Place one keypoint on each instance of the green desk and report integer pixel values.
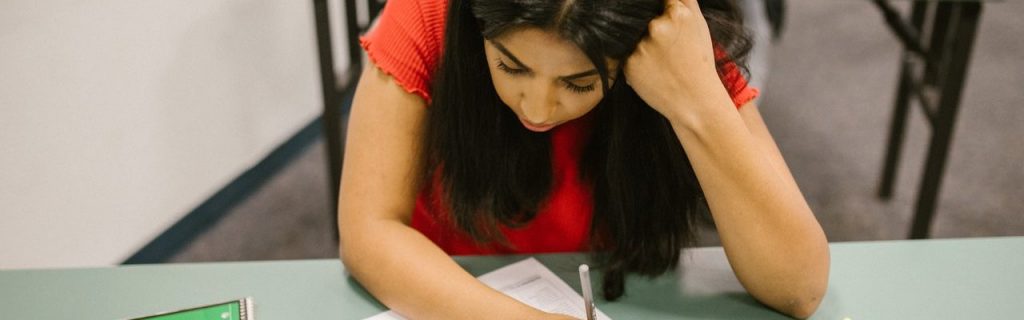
(980, 278)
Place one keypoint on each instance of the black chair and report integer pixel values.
(937, 42)
(338, 89)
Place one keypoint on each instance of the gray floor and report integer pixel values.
(828, 102)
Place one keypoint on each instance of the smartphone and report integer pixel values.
(240, 309)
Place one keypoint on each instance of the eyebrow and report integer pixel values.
(520, 63)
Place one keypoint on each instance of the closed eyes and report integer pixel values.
(519, 72)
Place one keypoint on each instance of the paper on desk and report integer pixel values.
(532, 283)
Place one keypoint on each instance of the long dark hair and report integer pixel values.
(494, 172)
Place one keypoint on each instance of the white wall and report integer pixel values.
(118, 117)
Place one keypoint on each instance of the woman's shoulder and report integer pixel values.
(434, 13)
(734, 80)
(425, 17)
(407, 40)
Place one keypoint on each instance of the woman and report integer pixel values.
(525, 126)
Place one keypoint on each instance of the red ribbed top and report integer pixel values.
(407, 43)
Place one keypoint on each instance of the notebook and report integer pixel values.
(532, 283)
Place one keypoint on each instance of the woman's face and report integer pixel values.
(545, 80)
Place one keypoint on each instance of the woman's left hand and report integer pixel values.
(675, 64)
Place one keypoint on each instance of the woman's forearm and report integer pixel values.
(398, 265)
(772, 240)
(408, 273)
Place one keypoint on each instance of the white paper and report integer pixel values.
(532, 283)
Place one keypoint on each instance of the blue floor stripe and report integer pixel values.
(178, 236)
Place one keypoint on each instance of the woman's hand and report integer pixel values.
(675, 64)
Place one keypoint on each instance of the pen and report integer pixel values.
(588, 295)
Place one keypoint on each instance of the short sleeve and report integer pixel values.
(735, 83)
(406, 42)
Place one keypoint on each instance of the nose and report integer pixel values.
(539, 104)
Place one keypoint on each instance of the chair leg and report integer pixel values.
(333, 140)
(904, 93)
(330, 116)
(896, 129)
(965, 26)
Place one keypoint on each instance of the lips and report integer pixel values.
(536, 128)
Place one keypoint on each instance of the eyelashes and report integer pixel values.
(518, 72)
(578, 89)
(512, 71)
